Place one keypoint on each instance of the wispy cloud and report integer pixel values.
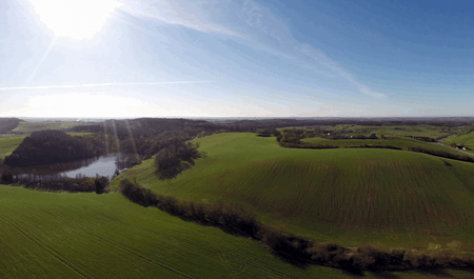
(248, 22)
(189, 14)
(99, 85)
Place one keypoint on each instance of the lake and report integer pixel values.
(103, 166)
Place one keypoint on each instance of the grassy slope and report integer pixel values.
(351, 196)
(466, 140)
(89, 236)
(8, 145)
(28, 127)
(50, 235)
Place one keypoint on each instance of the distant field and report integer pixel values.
(400, 130)
(80, 134)
(28, 127)
(466, 140)
(8, 144)
(389, 131)
(401, 142)
(351, 196)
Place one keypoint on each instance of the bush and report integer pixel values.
(443, 154)
(375, 146)
(138, 194)
(171, 161)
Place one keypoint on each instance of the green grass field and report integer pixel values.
(48, 235)
(351, 196)
(28, 127)
(9, 144)
(62, 235)
(401, 142)
(466, 140)
(398, 130)
(389, 131)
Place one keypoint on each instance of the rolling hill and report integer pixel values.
(351, 196)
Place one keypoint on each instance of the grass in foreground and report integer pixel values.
(49, 235)
(60, 235)
(350, 196)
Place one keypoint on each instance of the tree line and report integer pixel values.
(54, 183)
(297, 249)
(444, 154)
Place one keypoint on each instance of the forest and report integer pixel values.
(52, 146)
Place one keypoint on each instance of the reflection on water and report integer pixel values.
(103, 166)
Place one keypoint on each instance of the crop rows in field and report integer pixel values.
(343, 194)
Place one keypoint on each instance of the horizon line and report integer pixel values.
(100, 85)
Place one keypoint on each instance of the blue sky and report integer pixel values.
(236, 58)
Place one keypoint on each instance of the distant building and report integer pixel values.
(373, 136)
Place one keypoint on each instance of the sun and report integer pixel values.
(76, 19)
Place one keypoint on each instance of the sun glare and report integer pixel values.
(76, 19)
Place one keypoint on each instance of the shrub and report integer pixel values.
(138, 194)
(171, 161)
(375, 146)
(443, 154)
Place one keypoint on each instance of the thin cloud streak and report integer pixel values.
(45, 55)
(99, 85)
(246, 22)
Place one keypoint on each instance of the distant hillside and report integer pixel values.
(147, 127)
(29, 127)
(8, 124)
(51, 146)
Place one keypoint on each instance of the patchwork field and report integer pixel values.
(400, 130)
(28, 127)
(351, 196)
(401, 142)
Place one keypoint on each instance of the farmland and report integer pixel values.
(28, 127)
(351, 196)
(428, 131)
(50, 235)
(466, 140)
(401, 142)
